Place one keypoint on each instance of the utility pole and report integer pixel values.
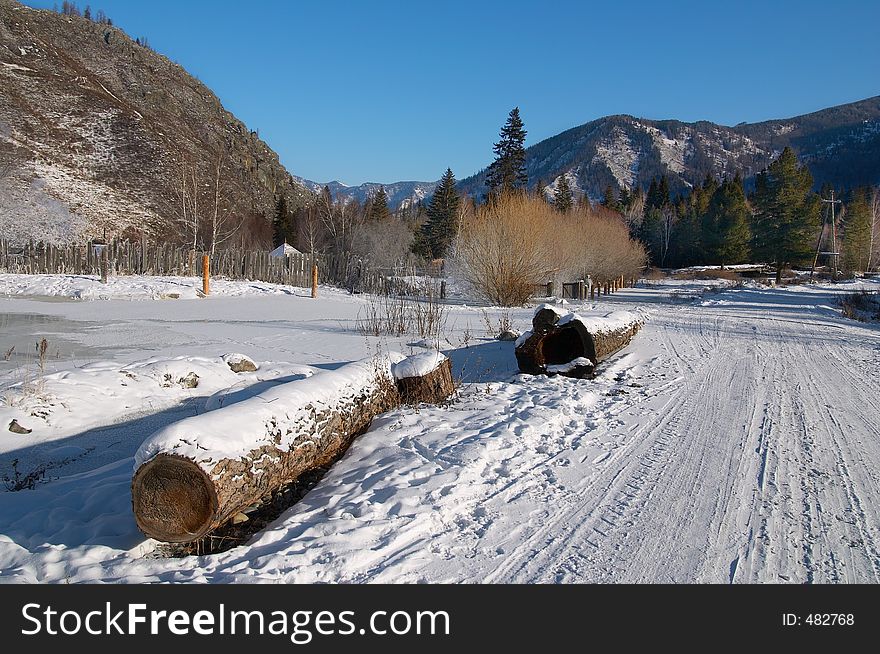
(834, 254)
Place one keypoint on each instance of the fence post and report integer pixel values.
(105, 263)
(315, 280)
(206, 274)
(550, 288)
(442, 289)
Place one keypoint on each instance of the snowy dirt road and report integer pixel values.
(760, 465)
(737, 440)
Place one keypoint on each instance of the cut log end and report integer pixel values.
(431, 388)
(570, 348)
(173, 499)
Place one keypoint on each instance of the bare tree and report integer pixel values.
(340, 219)
(223, 226)
(874, 241)
(667, 223)
(634, 212)
(184, 206)
(310, 230)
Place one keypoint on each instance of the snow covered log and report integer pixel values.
(564, 343)
(197, 474)
(424, 378)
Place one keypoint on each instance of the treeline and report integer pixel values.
(71, 9)
(68, 8)
(781, 221)
(505, 245)
(345, 227)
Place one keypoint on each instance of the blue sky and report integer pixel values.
(385, 91)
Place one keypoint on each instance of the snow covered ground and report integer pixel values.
(736, 440)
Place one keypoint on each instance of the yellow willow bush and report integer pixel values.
(518, 242)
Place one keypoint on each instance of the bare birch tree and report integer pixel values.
(874, 241)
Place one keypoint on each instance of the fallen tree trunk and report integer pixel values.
(564, 343)
(197, 474)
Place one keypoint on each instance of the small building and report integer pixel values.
(284, 250)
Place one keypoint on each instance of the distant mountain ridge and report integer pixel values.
(841, 145)
(401, 195)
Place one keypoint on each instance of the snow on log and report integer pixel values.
(195, 475)
(424, 378)
(564, 343)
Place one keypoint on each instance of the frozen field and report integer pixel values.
(736, 440)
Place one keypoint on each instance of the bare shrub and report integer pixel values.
(518, 242)
(396, 315)
(505, 250)
(502, 324)
(385, 243)
(862, 306)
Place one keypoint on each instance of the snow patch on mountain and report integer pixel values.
(672, 151)
(621, 158)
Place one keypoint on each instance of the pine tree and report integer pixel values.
(857, 232)
(609, 199)
(508, 172)
(651, 197)
(623, 199)
(379, 205)
(283, 229)
(663, 197)
(562, 198)
(787, 213)
(438, 231)
(540, 190)
(726, 232)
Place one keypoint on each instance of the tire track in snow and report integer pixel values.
(616, 487)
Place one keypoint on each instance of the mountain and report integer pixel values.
(841, 145)
(94, 128)
(401, 195)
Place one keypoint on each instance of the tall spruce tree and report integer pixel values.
(787, 213)
(563, 200)
(283, 228)
(609, 199)
(508, 172)
(438, 231)
(379, 205)
(726, 232)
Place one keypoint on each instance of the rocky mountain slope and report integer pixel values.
(96, 131)
(841, 145)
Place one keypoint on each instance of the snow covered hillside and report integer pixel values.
(737, 439)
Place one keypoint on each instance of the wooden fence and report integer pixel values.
(352, 273)
(128, 258)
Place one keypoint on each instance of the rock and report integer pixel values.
(507, 335)
(16, 428)
(239, 363)
(190, 381)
